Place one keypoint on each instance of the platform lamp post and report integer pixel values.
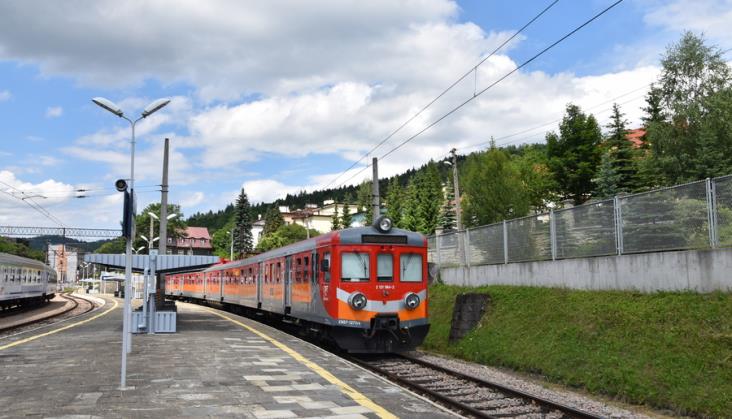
(127, 312)
(155, 217)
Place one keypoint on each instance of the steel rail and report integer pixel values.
(75, 302)
(544, 404)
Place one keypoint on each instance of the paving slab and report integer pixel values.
(217, 365)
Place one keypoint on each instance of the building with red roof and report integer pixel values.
(635, 136)
(195, 241)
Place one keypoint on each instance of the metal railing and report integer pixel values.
(696, 215)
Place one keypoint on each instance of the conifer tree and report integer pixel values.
(346, 218)
(395, 202)
(608, 178)
(272, 221)
(243, 225)
(424, 199)
(335, 220)
(619, 154)
(448, 216)
(364, 202)
(410, 213)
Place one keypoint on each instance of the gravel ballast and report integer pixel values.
(565, 397)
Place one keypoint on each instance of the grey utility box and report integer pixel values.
(165, 322)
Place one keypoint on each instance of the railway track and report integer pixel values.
(77, 307)
(462, 393)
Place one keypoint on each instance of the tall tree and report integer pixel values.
(272, 220)
(653, 111)
(347, 217)
(364, 201)
(574, 153)
(335, 220)
(448, 216)
(533, 166)
(424, 199)
(221, 240)
(243, 225)
(608, 179)
(695, 139)
(395, 201)
(493, 188)
(619, 153)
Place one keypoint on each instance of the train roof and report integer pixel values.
(7, 258)
(347, 236)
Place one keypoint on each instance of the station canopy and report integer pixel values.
(164, 263)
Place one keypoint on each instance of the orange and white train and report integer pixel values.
(363, 288)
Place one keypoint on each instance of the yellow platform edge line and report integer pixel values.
(61, 329)
(345, 388)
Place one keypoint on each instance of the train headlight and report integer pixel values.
(383, 224)
(357, 301)
(411, 301)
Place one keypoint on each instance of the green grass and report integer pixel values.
(665, 350)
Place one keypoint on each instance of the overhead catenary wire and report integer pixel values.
(32, 204)
(473, 69)
(479, 93)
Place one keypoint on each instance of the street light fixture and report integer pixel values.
(153, 216)
(116, 110)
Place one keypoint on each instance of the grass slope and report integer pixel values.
(666, 350)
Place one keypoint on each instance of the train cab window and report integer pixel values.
(326, 274)
(355, 266)
(410, 267)
(385, 267)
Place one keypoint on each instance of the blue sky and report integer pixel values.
(278, 99)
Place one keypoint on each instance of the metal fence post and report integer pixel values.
(466, 249)
(618, 213)
(553, 234)
(437, 250)
(505, 242)
(712, 212)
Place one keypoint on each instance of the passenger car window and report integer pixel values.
(384, 267)
(410, 267)
(355, 266)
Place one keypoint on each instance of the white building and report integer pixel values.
(65, 261)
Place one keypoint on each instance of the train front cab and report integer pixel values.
(380, 290)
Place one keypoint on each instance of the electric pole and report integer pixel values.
(458, 210)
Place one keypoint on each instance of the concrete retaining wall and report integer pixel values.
(693, 270)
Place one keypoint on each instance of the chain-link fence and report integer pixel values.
(723, 215)
(691, 216)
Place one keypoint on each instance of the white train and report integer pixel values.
(24, 281)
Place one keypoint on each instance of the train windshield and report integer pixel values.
(385, 267)
(355, 266)
(410, 267)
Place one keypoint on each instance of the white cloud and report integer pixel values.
(48, 194)
(191, 200)
(54, 111)
(712, 17)
(265, 190)
(228, 47)
(5, 95)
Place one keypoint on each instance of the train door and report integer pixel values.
(260, 275)
(324, 269)
(288, 284)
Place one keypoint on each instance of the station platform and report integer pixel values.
(217, 365)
